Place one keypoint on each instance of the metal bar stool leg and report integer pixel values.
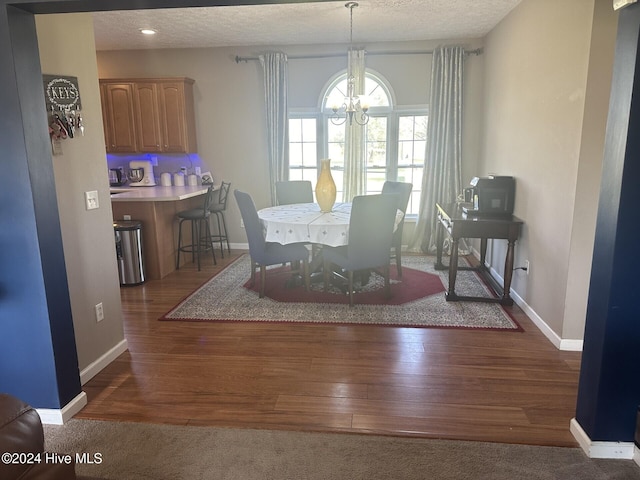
(221, 235)
(226, 236)
(209, 239)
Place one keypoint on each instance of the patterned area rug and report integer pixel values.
(225, 297)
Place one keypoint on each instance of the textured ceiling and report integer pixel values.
(300, 24)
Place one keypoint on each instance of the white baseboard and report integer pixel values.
(54, 416)
(566, 344)
(239, 246)
(617, 450)
(95, 367)
(636, 455)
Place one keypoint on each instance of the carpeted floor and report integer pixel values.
(137, 451)
(224, 298)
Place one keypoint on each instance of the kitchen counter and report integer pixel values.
(157, 208)
(156, 194)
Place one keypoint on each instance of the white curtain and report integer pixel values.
(442, 180)
(354, 144)
(276, 73)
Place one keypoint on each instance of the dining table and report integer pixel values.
(306, 223)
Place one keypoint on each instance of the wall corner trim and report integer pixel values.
(616, 450)
(95, 367)
(636, 455)
(52, 416)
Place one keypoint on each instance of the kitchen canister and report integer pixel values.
(178, 179)
(192, 179)
(165, 179)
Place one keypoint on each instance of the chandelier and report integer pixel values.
(354, 107)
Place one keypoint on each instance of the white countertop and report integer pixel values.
(156, 194)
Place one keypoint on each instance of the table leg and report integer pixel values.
(508, 274)
(453, 270)
(483, 252)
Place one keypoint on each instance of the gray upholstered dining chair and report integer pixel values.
(370, 238)
(294, 191)
(265, 253)
(403, 192)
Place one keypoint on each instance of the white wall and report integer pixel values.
(545, 125)
(589, 169)
(66, 44)
(229, 100)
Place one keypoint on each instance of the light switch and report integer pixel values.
(91, 199)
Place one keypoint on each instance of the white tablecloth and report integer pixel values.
(304, 222)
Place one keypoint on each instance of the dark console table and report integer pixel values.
(458, 224)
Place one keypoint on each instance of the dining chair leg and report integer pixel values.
(263, 279)
(399, 260)
(325, 274)
(387, 282)
(350, 275)
(305, 267)
(254, 265)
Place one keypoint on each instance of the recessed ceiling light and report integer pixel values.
(147, 31)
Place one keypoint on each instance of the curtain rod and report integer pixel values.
(477, 51)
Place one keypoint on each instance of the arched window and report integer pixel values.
(395, 139)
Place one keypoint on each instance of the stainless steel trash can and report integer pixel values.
(128, 234)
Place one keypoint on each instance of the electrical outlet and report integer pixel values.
(91, 199)
(126, 217)
(99, 312)
(527, 267)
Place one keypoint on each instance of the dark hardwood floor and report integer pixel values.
(512, 387)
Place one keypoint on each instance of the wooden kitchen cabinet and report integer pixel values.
(163, 112)
(145, 98)
(177, 117)
(118, 117)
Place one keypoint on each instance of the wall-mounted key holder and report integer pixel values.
(62, 97)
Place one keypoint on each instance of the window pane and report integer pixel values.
(376, 161)
(295, 154)
(295, 130)
(412, 135)
(302, 147)
(309, 129)
(375, 93)
(309, 155)
(337, 95)
(335, 136)
(295, 174)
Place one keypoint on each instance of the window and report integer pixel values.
(303, 152)
(395, 140)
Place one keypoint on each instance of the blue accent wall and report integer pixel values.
(38, 358)
(609, 390)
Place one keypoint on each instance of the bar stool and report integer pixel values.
(197, 217)
(218, 208)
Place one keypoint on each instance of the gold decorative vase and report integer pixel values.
(326, 187)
